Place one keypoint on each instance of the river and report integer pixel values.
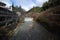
(31, 30)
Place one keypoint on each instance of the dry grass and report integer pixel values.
(48, 16)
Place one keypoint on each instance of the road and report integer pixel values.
(32, 31)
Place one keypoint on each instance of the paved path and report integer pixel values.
(32, 31)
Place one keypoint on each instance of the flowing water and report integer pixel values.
(31, 30)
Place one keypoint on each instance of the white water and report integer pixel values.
(28, 19)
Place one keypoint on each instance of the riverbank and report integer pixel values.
(50, 19)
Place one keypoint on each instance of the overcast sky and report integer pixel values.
(25, 4)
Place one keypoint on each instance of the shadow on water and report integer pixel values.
(54, 31)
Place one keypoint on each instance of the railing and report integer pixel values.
(9, 16)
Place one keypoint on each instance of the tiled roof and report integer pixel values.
(2, 3)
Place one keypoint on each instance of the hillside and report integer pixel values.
(35, 9)
(50, 18)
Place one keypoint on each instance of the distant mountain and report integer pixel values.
(35, 9)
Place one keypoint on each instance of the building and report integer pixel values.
(2, 4)
(7, 17)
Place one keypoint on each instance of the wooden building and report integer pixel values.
(2, 4)
(7, 17)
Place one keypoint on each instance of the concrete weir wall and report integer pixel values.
(28, 19)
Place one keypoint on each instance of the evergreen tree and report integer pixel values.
(53, 3)
(45, 6)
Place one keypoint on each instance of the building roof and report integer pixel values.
(6, 10)
(3, 4)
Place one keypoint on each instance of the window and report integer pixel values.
(2, 18)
